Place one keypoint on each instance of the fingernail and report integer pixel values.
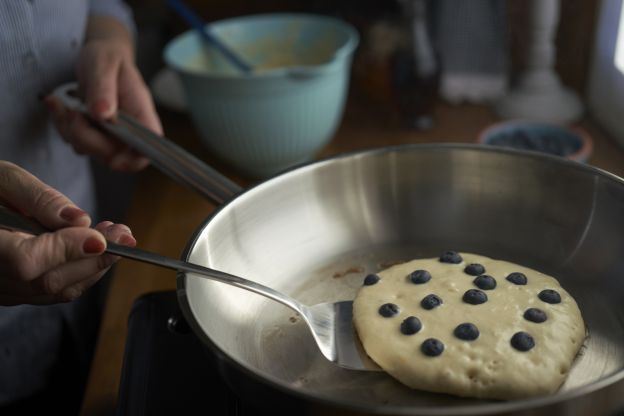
(71, 213)
(93, 245)
(100, 108)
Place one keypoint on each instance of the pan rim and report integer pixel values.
(274, 382)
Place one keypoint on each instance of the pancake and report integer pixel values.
(469, 325)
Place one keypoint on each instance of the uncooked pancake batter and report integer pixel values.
(469, 325)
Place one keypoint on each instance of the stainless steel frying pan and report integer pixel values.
(315, 231)
(362, 211)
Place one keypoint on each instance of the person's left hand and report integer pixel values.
(109, 80)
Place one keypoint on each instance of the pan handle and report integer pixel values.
(164, 154)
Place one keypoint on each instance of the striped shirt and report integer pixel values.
(39, 44)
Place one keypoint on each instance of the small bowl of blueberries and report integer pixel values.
(555, 139)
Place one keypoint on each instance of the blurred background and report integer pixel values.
(574, 38)
(491, 33)
(434, 71)
(422, 66)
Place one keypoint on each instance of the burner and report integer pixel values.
(167, 370)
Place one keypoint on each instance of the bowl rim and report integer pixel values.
(581, 154)
(341, 53)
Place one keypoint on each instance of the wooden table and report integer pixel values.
(163, 215)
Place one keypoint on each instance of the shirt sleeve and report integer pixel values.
(117, 9)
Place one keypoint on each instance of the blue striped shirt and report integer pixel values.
(39, 44)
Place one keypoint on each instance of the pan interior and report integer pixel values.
(314, 233)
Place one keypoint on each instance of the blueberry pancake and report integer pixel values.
(471, 326)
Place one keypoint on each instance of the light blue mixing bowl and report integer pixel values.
(283, 112)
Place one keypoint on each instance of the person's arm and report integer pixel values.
(109, 80)
(57, 266)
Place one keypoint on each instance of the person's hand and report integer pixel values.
(57, 266)
(109, 80)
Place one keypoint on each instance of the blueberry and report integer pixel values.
(432, 347)
(451, 257)
(549, 296)
(475, 297)
(517, 278)
(522, 341)
(410, 325)
(535, 315)
(371, 279)
(467, 331)
(431, 301)
(388, 310)
(420, 276)
(474, 269)
(485, 282)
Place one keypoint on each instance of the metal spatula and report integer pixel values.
(330, 323)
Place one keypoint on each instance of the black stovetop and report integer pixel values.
(167, 370)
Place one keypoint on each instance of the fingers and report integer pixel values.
(109, 80)
(23, 258)
(85, 139)
(128, 160)
(100, 83)
(65, 282)
(117, 233)
(29, 257)
(29, 195)
(17, 292)
(135, 98)
(77, 131)
(70, 280)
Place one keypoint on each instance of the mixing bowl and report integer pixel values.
(285, 110)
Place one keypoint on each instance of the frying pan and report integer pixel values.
(313, 233)
(362, 211)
